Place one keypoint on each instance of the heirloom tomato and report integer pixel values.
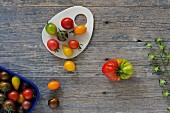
(117, 69)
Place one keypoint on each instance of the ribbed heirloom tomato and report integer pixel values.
(117, 69)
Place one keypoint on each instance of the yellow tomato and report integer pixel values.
(80, 29)
(21, 98)
(67, 51)
(69, 66)
(53, 85)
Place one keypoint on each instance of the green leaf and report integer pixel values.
(151, 56)
(165, 93)
(168, 108)
(148, 45)
(168, 55)
(158, 40)
(157, 69)
(161, 47)
(162, 82)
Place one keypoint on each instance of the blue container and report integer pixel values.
(28, 81)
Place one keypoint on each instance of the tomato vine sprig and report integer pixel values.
(159, 58)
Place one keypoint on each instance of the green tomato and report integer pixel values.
(51, 28)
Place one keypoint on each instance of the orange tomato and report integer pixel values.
(80, 29)
(53, 85)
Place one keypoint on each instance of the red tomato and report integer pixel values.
(73, 44)
(26, 105)
(110, 70)
(27, 94)
(67, 23)
(53, 45)
(13, 95)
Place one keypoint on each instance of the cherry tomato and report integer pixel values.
(15, 82)
(53, 103)
(80, 29)
(4, 76)
(62, 35)
(24, 85)
(69, 66)
(74, 44)
(67, 51)
(20, 109)
(27, 94)
(26, 105)
(53, 85)
(13, 95)
(5, 87)
(67, 23)
(21, 98)
(51, 28)
(53, 45)
(9, 106)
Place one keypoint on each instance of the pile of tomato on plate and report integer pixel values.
(62, 35)
(16, 95)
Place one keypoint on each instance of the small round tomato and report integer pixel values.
(27, 94)
(80, 29)
(24, 85)
(53, 85)
(26, 105)
(67, 23)
(5, 87)
(51, 28)
(13, 95)
(67, 51)
(53, 103)
(4, 76)
(74, 44)
(9, 106)
(69, 66)
(53, 45)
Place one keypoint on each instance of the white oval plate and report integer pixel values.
(84, 39)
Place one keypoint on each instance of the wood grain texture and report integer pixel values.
(121, 29)
(92, 3)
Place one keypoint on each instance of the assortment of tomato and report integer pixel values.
(16, 95)
(117, 69)
(62, 35)
(53, 102)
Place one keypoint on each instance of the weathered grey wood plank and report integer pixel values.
(87, 90)
(92, 3)
(32, 59)
(98, 95)
(116, 24)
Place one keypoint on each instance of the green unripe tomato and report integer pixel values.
(51, 28)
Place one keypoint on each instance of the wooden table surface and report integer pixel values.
(121, 29)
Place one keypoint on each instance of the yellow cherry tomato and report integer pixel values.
(16, 82)
(21, 98)
(80, 29)
(53, 85)
(67, 51)
(69, 66)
